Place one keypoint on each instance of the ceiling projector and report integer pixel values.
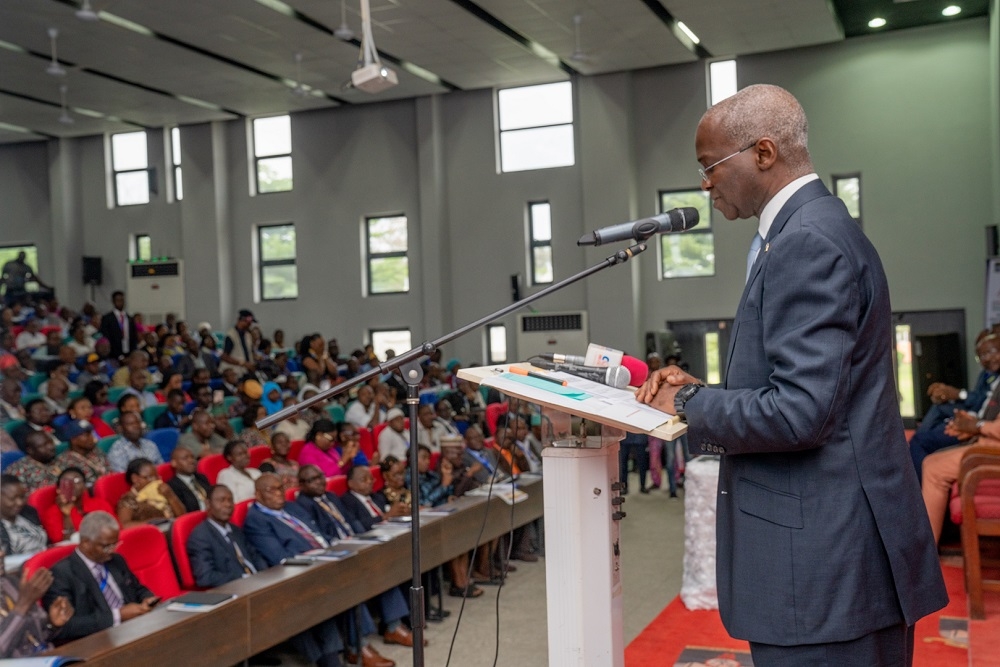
(373, 78)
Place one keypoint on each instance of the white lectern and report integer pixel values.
(583, 505)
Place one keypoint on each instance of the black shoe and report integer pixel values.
(643, 490)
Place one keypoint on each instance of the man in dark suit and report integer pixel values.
(97, 581)
(363, 507)
(219, 551)
(278, 534)
(324, 512)
(119, 328)
(189, 484)
(825, 554)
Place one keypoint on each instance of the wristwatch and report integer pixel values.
(683, 395)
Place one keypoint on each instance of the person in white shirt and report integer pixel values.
(239, 477)
(394, 439)
(429, 429)
(367, 411)
(31, 338)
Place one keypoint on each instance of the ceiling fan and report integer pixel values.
(578, 55)
(343, 31)
(54, 68)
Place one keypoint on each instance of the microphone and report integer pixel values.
(674, 220)
(637, 368)
(613, 376)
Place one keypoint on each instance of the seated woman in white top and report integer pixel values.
(239, 476)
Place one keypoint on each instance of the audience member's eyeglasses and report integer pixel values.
(705, 171)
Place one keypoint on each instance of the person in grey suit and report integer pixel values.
(825, 555)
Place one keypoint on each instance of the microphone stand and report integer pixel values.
(412, 376)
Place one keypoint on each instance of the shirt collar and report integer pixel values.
(773, 207)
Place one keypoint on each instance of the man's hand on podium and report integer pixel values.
(660, 387)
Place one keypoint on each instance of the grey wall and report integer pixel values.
(914, 111)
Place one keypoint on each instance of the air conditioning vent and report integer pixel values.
(545, 333)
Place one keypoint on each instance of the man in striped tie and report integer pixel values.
(97, 581)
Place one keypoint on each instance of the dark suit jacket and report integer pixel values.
(822, 533)
(111, 329)
(185, 493)
(272, 538)
(185, 365)
(73, 579)
(308, 509)
(213, 559)
(358, 513)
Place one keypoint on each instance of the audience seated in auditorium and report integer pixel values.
(81, 344)
(148, 499)
(394, 440)
(21, 530)
(323, 512)
(238, 349)
(25, 627)
(92, 371)
(83, 452)
(202, 438)
(10, 401)
(61, 520)
(194, 359)
(218, 550)
(137, 361)
(239, 476)
(31, 338)
(97, 392)
(444, 415)
(81, 409)
(98, 582)
(137, 383)
(429, 429)
(320, 450)
(279, 463)
(511, 457)
(316, 410)
(38, 467)
(295, 427)
(251, 435)
(365, 507)
(316, 361)
(131, 445)
(174, 416)
(277, 534)
(349, 439)
(56, 394)
(931, 435)
(190, 485)
(370, 408)
(434, 488)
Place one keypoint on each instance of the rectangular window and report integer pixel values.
(130, 168)
(9, 253)
(384, 340)
(496, 343)
(142, 249)
(904, 371)
(540, 242)
(713, 359)
(386, 249)
(691, 253)
(278, 274)
(272, 152)
(848, 188)
(721, 80)
(536, 127)
(175, 161)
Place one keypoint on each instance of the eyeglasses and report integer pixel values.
(704, 171)
(107, 548)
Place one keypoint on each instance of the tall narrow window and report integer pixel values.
(904, 371)
(540, 242)
(536, 127)
(384, 340)
(721, 80)
(691, 253)
(272, 151)
(386, 249)
(130, 168)
(9, 254)
(175, 161)
(713, 360)
(496, 343)
(848, 188)
(142, 250)
(278, 277)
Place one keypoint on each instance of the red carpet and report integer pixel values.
(676, 629)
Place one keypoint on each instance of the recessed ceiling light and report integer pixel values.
(876, 23)
(951, 10)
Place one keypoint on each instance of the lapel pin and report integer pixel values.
(767, 247)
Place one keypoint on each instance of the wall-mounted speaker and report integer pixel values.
(515, 287)
(992, 241)
(93, 271)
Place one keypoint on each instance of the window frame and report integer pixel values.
(704, 227)
(488, 343)
(709, 88)
(137, 240)
(115, 171)
(257, 158)
(263, 263)
(174, 163)
(378, 330)
(370, 256)
(534, 243)
(835, 179)
(501, 132)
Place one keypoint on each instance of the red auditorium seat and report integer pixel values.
(975, 506)
(377, 481)
(493, 412)
(111, 487)
(212, 465)
(47, 558)
(179, 533)
(294, 447)
(367, 443)
(291, 494)
(144, 548)
(258, 455)
(165, 471)
(43, 498)
(337, 484)
(240, 512)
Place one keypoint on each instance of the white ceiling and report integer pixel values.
(191, 61)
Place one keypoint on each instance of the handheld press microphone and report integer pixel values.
(674, 220)
(637, 368)
(613, 376)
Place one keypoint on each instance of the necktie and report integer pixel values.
(301, 529)
(199, 493)
(107, 590)
(752, 255)
(342, 526)
(247, 567)
(992, 409)
(373, 507)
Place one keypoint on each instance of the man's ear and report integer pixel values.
(765, 153)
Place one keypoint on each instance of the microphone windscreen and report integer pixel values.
(637, 368)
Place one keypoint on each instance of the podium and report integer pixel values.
(583, 423)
